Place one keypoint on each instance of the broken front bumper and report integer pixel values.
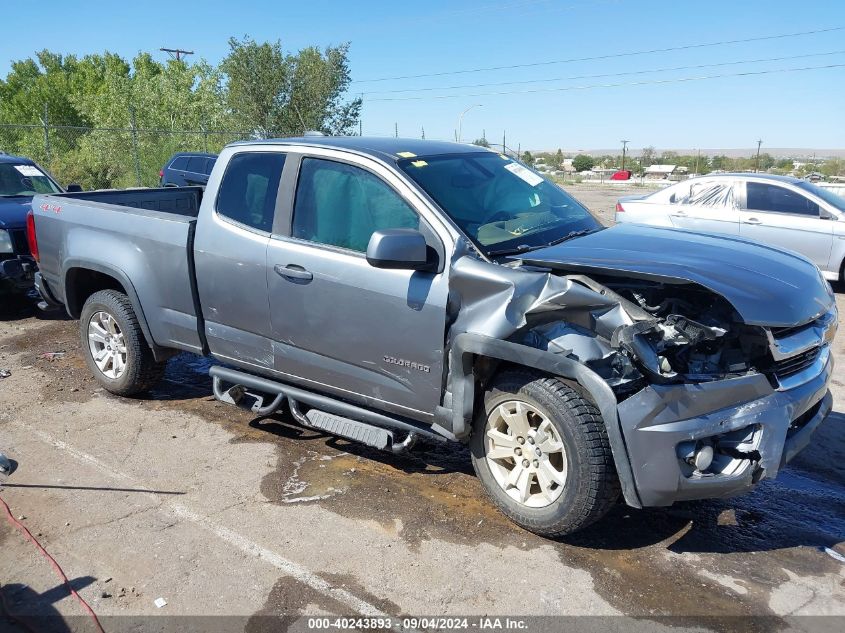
(753, 428)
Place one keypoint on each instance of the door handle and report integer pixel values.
(292, 271)
(751, 221)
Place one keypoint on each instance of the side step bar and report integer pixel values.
(333, 416)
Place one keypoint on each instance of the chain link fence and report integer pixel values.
(117, 158)
(105, 158)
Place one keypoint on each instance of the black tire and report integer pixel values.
(141, 371)
(591, 487)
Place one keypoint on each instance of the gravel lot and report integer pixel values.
(220, 513)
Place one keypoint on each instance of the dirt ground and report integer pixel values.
(220, 513)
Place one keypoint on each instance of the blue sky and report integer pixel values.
(797, 109)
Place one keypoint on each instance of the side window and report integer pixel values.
(179, 163)
(209, 165)
(342, 205)
(248, 189)
(196, 164)
(711, 194)
(764, 197)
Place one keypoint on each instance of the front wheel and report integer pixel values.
(541, 452)
(114, 345)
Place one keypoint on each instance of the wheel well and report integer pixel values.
(81, 283)
(487, 369)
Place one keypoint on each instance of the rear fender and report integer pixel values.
(75, 298)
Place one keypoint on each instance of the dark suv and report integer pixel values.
(20, 179)
(187, 169)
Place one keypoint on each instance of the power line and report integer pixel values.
(609, 56)
(616, 85)
(620, 74)
(176, 53)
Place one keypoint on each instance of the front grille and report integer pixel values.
(794, 364)
(19, 242)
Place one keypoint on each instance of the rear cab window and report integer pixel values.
(248, 189)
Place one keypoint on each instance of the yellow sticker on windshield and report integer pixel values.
(419, 163)
(406, 154)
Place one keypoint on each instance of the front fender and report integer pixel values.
(466, 346)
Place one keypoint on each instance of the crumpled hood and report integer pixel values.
(13, 212)
(766, 286)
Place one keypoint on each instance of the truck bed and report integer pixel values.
(139, 236)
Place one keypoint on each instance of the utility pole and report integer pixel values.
(176, 53)
(461, 121)
(624, 147)
(757, 162)
(697, 158)
(46, 123)
(396, 130)
(504, 145)
(422, 132)
(135, 145)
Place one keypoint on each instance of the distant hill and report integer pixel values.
(776, 152)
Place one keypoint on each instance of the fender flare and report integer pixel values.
(466, 346)
(159, 353)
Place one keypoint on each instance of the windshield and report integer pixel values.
(24, 180)
(827, 195)
(499, 204)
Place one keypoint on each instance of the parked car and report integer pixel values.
(187, 169)
(785, 212)
(20, 179)
(383, 290)
(622, 174)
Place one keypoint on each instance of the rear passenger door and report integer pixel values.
(230, 252)
(708, 206)
(340, 325)
(782, 217)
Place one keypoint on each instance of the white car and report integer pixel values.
(781, 211)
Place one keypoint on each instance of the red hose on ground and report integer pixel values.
(29, 537)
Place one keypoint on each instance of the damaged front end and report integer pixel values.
(708, 405)
(701, 402)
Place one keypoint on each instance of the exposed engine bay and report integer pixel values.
(674, 333)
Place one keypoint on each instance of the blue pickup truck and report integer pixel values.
(20, 180)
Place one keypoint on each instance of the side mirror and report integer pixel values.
(398, 248)
(74, 187)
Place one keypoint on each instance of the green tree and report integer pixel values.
(273, 93)
(582, 162)
(647, 156)
(527, 158)
(481, 142)
(556, 160)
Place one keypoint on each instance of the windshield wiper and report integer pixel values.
(510, 251)
(570, 235)
(525, 247)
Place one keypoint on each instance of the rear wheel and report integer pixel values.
(114, 345)
(541, 451)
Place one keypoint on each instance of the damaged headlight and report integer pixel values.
(678, 348)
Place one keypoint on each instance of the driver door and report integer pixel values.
(340, 325)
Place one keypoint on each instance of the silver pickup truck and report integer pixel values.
(385, 290)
